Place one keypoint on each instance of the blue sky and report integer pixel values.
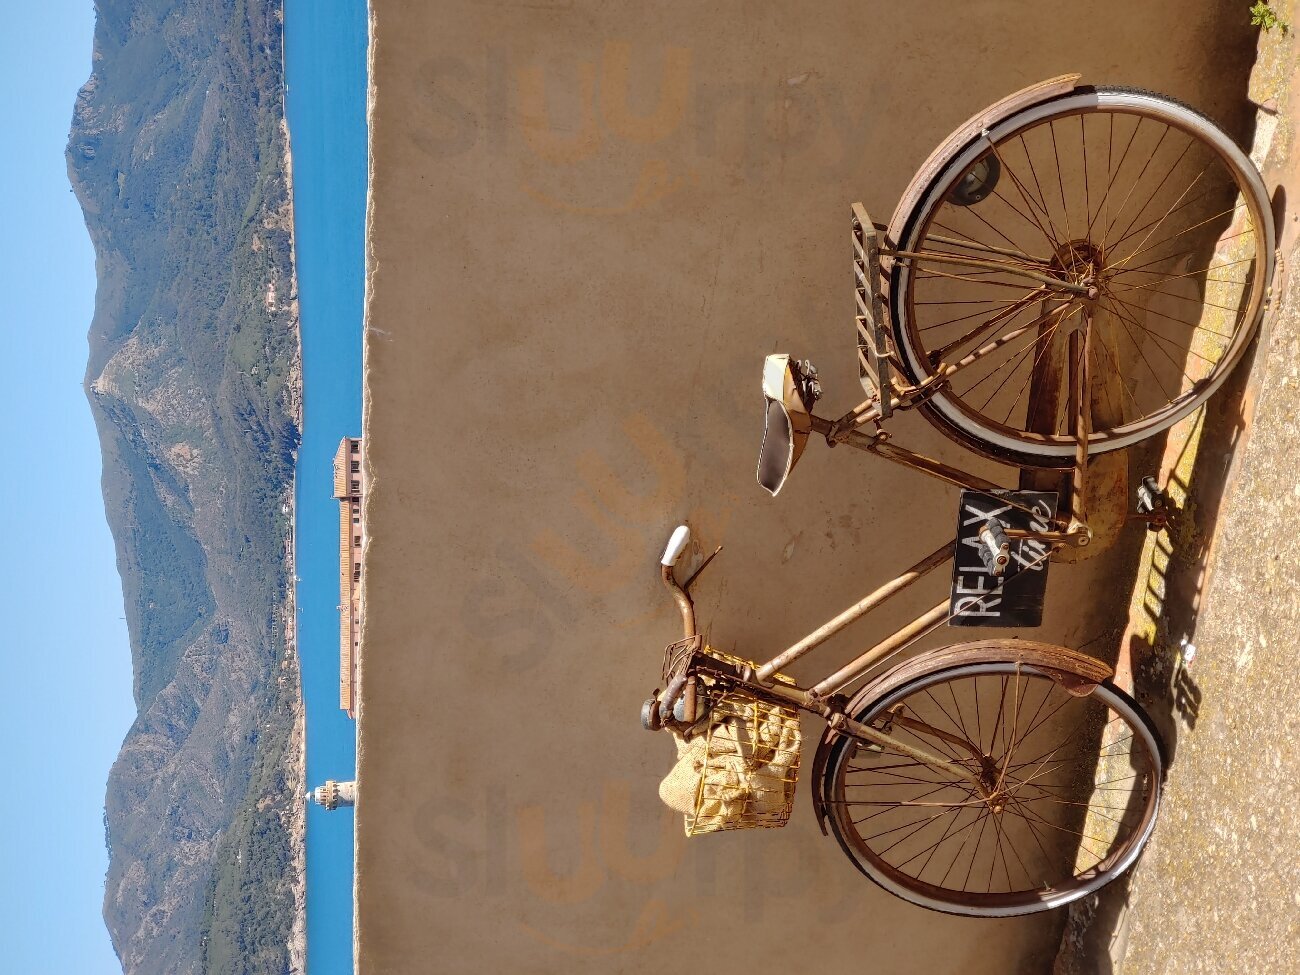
(65, 651)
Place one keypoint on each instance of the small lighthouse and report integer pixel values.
(333, 794)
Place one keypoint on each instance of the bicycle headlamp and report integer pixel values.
(977, 182)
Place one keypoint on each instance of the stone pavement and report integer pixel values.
(1211, 649)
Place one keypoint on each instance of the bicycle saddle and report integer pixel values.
(790, 389)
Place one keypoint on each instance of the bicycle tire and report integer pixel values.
(944, 409)
(931, 671)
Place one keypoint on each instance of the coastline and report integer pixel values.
(323, 92)
(296, 764)
(371, 45)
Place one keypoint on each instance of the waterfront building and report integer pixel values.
(333, 794)
(349, 488)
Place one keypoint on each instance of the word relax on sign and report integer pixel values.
(1014, 599)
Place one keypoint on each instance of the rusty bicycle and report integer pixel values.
(1071, 272)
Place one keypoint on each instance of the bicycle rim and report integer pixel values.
(1081, 796)
(1173, 218)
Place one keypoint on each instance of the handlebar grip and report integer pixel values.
(676, 544)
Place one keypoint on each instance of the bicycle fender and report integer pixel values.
(818, 791)
(1077, 672)
(1033, 95)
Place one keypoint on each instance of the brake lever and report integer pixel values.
(686, 586)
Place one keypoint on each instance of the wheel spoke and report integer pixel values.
(1156, 335)
(1179, 321)
(1105, 237)
(1046, 339)
(1159, 186)
(1186, 230)
(1106, 196)
(1042, 197)
(1029, 203)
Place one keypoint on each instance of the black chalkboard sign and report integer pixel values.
(980, 598)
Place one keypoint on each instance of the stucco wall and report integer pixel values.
(590, 222)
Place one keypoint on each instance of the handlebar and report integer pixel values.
(680, 687)
(681, 537)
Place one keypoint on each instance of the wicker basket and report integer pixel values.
(738, 766)
(747, 764)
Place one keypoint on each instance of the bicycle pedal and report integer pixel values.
(995, 547)
(1150, 497)
(1153, 504)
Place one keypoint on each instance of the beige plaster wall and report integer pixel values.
(590, 222)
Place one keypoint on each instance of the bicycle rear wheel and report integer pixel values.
(1123, 191)
(1073, 787)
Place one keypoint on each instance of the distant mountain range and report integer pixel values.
(178, 155)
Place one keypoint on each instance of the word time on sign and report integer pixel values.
(1015, 598)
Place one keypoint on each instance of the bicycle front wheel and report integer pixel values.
(1070, 787)
(1114, 212)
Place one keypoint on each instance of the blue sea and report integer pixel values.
(325, 71)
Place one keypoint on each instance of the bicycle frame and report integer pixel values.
(823, 698)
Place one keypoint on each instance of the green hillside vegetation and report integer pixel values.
(247, 902)
(177, 154)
